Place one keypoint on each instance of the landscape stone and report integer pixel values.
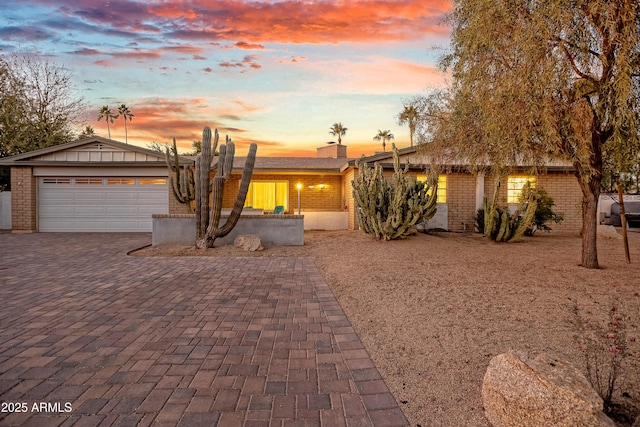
(608, 231)
(543, 391)
(249, 242)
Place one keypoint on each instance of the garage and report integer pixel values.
(100, 204)
(89, 185)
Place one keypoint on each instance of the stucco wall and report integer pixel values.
(5, 210)
(274, 230)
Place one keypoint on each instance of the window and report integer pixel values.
(268, 194)
(56, 181)
(88, 181)
(515, 185)
(153, 181)
(120, 181)
(442, 187)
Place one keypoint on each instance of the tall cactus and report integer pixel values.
(501, 226)
(390, 209)
(208, 220)
(204, 166)
(180, 178)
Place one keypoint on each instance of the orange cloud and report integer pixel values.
(248, 23)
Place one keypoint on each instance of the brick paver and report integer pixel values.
(91, 336)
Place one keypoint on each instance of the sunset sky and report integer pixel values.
(278, 73)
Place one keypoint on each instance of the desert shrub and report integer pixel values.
(389, 209)
(502, 226)
(544, 209)
(543, 214)
(606, 342)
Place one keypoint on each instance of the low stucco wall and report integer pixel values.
(5, 210)
(325, 220)
(274, 230)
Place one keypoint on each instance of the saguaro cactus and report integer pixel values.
(180, 178)
(389, 209)
(208, 220)
(204, 161)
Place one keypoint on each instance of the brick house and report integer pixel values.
(97, 184)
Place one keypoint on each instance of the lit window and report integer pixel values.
(442, 187)
(120, 181)
(268, 194)
(88, 181)
(515, 184)
(153, 181)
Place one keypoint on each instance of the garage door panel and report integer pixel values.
(89, 211)
(47, 196)
(124, 196)
(125, 225)
(88, 196)
(125, 211)
(68, 206)
(58, 211)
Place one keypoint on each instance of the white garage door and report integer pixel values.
(100, 204)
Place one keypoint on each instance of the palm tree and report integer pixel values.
(409, 115)
(108, 116)
(126, 114)
(384, 136)
(87, 131)
(338, 130)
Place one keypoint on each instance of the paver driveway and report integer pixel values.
(93, 337)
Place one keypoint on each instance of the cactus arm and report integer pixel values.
(242, 194)
(180, 178)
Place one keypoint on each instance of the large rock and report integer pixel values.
(523, 392)
(608, 232)
(248, 242)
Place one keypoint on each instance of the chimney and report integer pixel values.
(334, 151)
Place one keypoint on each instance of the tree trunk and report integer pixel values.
(590, 196)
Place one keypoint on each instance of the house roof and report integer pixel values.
(417, 159)
(94, 151)
(294, 164)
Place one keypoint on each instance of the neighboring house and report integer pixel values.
(97, 184)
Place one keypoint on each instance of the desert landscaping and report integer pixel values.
(433, 309)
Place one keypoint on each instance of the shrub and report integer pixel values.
(502, 226)
(544, 212)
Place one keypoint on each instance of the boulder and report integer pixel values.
(249, 242)
(524, 392)
(608, 231)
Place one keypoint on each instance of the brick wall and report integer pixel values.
(567, 196)
(23, 200)
(461, 201)
(335, 151)
(351, 204)
(562, 187)
(175, 207)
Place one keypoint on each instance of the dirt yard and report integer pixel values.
(433, 309)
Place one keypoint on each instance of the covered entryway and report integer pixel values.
(100, 203)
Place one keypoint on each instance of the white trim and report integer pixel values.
(479, 190)
(125, 171)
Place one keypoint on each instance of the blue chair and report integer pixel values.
(279, 210)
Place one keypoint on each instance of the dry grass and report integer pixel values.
(433, 309)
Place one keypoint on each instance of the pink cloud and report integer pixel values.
(249, 24)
